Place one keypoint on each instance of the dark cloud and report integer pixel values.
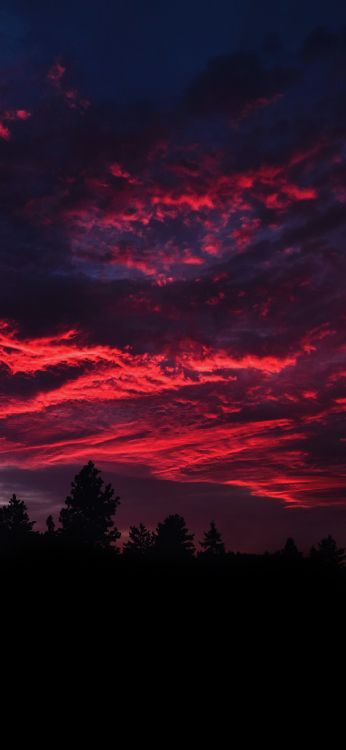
(323, 43)
(236, 84)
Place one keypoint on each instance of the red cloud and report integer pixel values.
(181, 438)
(4, 132)
(56, 76)
(222, 208)
(56, 72)
(11, 116)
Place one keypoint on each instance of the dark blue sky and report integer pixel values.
(140, 50)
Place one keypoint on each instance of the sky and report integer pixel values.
(172, 261)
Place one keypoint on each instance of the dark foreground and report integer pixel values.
(102, 581)
(106, 623)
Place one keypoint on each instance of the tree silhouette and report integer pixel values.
(173, 541)
(328, 553)
(212, 544)
(87, 517)
(290, 550)
(50, 525)
(140, 541)
(15, 524)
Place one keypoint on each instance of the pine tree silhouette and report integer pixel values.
(173, 540)
(140, 541)
(212, 544)
(15, 524)
(290, 550)
(87, 517)
(328, 553)
(14, 516)
(50, 525)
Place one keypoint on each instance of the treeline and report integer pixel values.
(86, 523)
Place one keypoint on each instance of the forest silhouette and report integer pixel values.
(87, 538)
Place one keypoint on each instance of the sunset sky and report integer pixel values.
(172, 260)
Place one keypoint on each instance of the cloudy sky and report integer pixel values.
(172, 260)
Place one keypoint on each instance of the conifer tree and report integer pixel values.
(173, 540)
(87, 517)
(140, 541)
(212, 544)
